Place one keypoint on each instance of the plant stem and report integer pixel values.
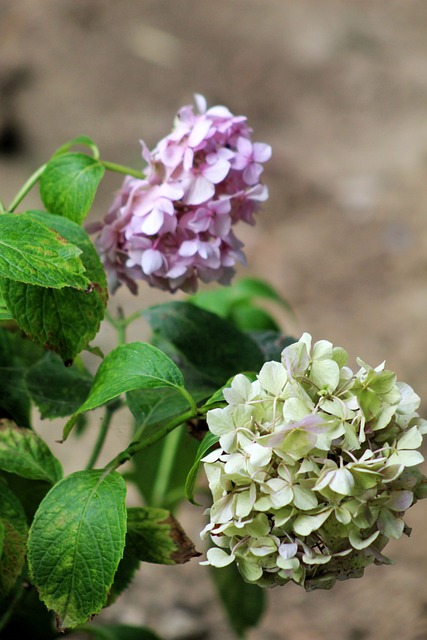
(102, 435)
(26, 188)
(119, 168)
(120, 324)
(136, 445)
(4, 619)
(164, 471)
(187, 395)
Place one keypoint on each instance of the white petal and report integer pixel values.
(218, 557)
(273, 377)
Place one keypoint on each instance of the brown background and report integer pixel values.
(339, 89)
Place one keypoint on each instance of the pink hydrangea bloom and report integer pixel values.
(174, 227)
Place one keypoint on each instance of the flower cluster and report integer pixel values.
(315, 468)
(175, 226)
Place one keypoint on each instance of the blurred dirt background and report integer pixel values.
(339, 89)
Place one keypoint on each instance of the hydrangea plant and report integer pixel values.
(315, 467)
(311, 466)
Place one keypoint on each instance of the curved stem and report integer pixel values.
(26, 188)
(164, 471)
(119, 168)
(136, 445)
(4, 619)
(187, 395)
(120, 324)
(102, 435)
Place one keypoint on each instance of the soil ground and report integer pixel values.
(339, 89)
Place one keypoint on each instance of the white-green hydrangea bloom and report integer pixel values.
(315, 468)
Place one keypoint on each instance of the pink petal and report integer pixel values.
(216, 172)
(220, 111)
(188, 248)
(171, 190)
(199, 190)
(152, 260)
(244, 146)
(221, 225)
(177, 270)
(252, 173)
(259, 193)
(262, 152)
(171, 155)
(199, 132)
(200, 220)
(188, 159)
(200, 102)
(151, 223)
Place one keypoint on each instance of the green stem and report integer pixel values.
(26, 188)
(164, 471)
(136, 445)
(102, 435)
(119, 168)
(2, 207)
(213, 405)
(187, 395)
(4, 619)
(133, 316)
(120, 324)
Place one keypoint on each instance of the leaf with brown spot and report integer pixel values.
(154, 535)
(14, 528)
(63, 320)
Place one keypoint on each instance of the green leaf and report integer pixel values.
(136, 365)
(124, 575)
(16, 354)
(208, 441)
(57, 390)
(218, 301)
(31, 252)
(271, 343)
(148, 465)
(4, 312)
(13, 521)
(153, 406)
(30, 619)
(153, 409)
(29, 492)
(76, 542)
(63, 320)
(247, 317)
(120, 632)
(244, 603)
(198, 384)
(68, 184)
(14, 398)
(211, 344)
(236, 303)
(24, 453)
(256, 288)
(154, 535)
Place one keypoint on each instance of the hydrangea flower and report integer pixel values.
(174, 227)
(315, 468)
